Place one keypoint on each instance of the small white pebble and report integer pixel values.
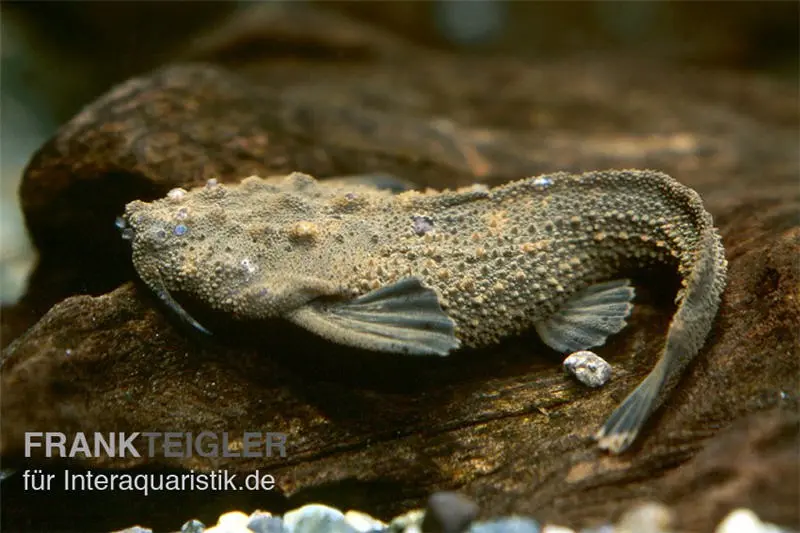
(648, 517)
(233, 522)
(740, 521)
(588, 368)
(363, 522)
(193, 526)
(410, 522)
(605, 528)
(549, 528)
(263, 521)
(312, 511)
(745, 521)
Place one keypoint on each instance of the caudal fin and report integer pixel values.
(687, 334)
(622, 427)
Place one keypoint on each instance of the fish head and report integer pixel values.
(223, 250)
(188, 245)
(183, 247)
(159, 238)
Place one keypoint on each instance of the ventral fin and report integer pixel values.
(589, 318)
(404, 317)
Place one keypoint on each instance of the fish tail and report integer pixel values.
(687, 333)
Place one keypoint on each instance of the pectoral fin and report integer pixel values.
(589, 318)
(404, 317)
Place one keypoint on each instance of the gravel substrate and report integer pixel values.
(449, 512)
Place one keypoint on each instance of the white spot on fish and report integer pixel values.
(176, 194)
(248, 266)
(422, 224)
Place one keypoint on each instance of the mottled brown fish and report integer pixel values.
(428, 272)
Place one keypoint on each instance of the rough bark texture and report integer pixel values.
(379, 432)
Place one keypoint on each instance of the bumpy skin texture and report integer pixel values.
(500, 260)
